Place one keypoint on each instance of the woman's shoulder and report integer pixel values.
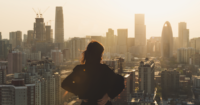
(105, 66)
(79, 67)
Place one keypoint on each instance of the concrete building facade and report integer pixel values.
(14, 62)
(184, 54)
(39, 30)
(57, 56)
(169, 81)
(146, 76)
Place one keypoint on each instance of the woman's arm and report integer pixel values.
(116, 83)
(116, 87)
(69, 84)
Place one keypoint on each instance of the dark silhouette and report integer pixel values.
(92, 81)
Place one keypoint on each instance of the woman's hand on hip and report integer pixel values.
(104, 100)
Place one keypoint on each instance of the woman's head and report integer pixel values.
(93, 53)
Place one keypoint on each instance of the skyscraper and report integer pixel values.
(14, 62)
(146, 76)
(169, 81)
(39, 29)
(5, 47)
(140, 30)
(122, 41)
(59, 25)
(12, 39)
(18, 38)
(110, 40)
(183, 34)
(140, 35)
(30, 36)
(167, 41)
(25, 38)
(49, 34)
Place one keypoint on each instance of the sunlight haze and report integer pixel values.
(94, 17)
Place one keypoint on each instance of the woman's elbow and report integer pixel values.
(63, 85)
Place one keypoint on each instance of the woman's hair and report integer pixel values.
(93, 53)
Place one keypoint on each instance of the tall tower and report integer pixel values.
(59, 25)
(39, 29)
(167, 41)
(122, 41)
(146, 76)
(140, 30)
(49, 34)
(183, 35)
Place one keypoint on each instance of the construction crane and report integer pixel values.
(40, 13)
(45, 10)
(37, 16)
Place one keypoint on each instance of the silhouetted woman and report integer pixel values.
(92, 81)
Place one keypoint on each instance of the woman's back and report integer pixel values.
(93, 81)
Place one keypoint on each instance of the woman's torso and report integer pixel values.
(94, 82)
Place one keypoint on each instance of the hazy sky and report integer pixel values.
(94, 17)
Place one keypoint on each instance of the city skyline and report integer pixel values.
(96, 21)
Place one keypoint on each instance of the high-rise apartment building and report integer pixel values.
(5, 47)
(57, 56)
(140, 30)
(121, 64)
(30, 36)
(17, 93)
(196, 81)
(175, 44)
(113, 64)
(110, 41)
(84, 43)
(3, 70)
(74, 47)
(15, 39)
(184, 54)
(39, 29)
(195, 43)
(25, 38)
(169, 81)
(14, 62)
(18, 39)
(96, 38)
(58, 94)
(146, 76)
(12, 39)
(50, 88)
(122, 41)
(167, 41)
(49, 34)
(183, 35)
(59, 25)
(132, 79)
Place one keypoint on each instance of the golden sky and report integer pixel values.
(94, 17)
